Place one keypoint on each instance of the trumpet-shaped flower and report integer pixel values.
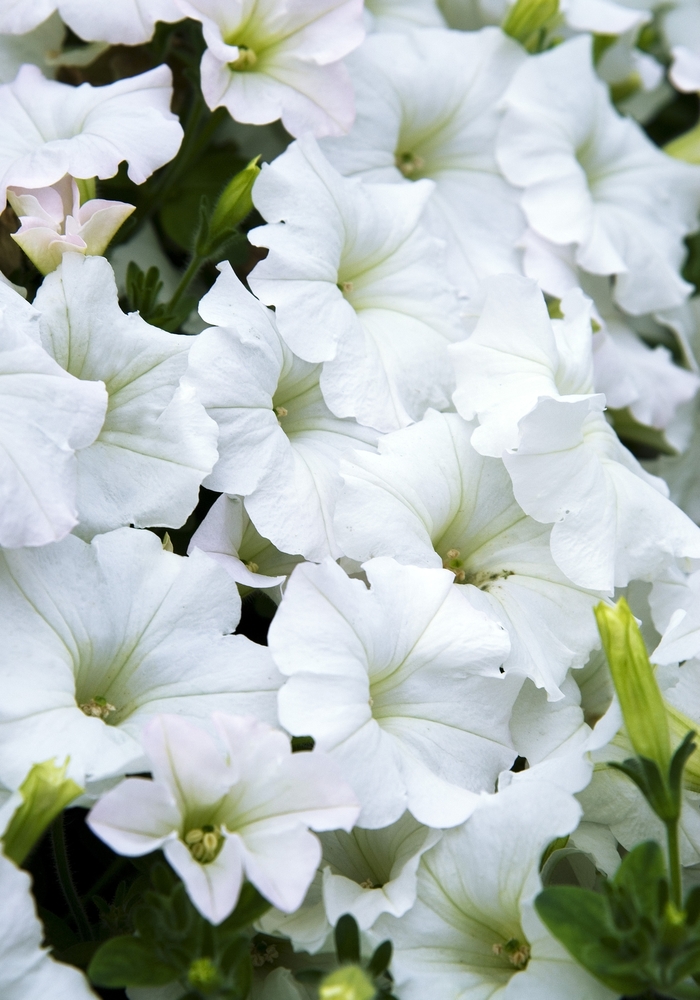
(27, 971)
(157, 443)
(222, 816)
(129, 22)
(45, 415)
(98, 638)
(51, 129)
(54, 222)
(357, 284)
(473, 931)
(399, 683)
(229, 537)
(428, 106)
(592, 179)
(530, 380)
(266, 61)
(279, 444)
(430, 499)
(364, 873)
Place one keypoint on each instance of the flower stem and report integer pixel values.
(186, 280)
(674, 863)
(60, 854)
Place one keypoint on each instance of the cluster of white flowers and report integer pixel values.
(468, 286)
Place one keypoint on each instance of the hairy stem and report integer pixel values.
(60, 854)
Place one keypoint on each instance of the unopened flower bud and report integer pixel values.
(526, 19)
(235, 202)
(640, 699)
(46, 791)
(348, 983)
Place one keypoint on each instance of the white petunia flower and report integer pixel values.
(36, 46)
(626, 367)
(473, 931)
(51, 129)
(266, 60)
(45, 416)
(399, 683)
(428, 106)
(229, 537)
(685, 71)
(402, 15)
(54, 222)
(592, 178)
(430, 499)
(364, 873)
(279, 444)
(129, 22)
(220, 817)
(27, 971)
(530, 380)
(156, 444)
(97, 638)
(682, 472)
(358, 284)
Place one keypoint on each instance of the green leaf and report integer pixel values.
(128, 961)
(347, 939)
(208, 176)
(580, 919)
(639, 874)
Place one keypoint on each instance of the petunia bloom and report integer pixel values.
(358, 284)
(592, 179)
(51, 129)
(53, 222)
(473, 931)
(220, 817)
(157, 443)
(46, 416)
(98, 638)
(266, 60)
(428, 105)
(279, 444)
(27, 971)
(129, 22)
(530, 380)
(394, 682)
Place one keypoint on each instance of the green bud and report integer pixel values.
(527, 21)
(686, 147)
(203, 975)
(348, 983)
(642, 706)
(87, 187)
(45, 794)
(235, 201)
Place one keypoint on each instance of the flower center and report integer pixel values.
(261, 953)
(409, 164)
(97, 708)
(517, 952)
(204, 842)
(455, 564)
(246, 59)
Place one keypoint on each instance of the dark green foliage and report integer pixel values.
(171, 942)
